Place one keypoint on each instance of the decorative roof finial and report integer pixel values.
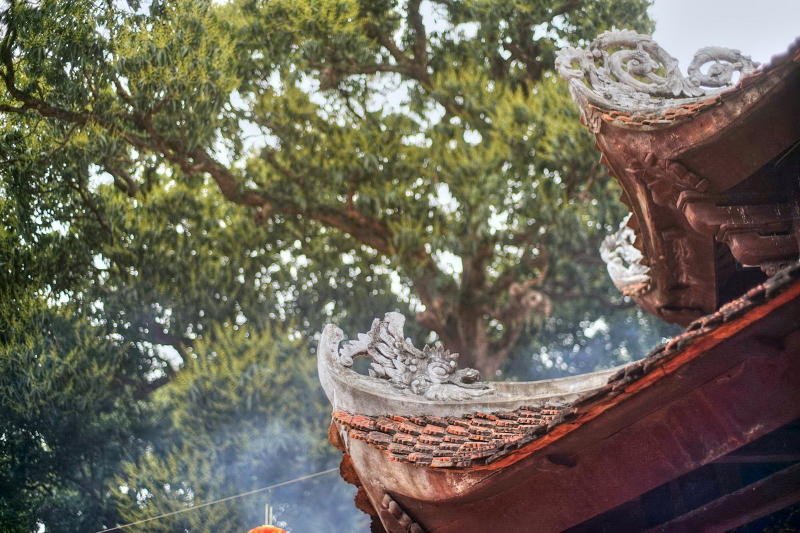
(430, 372)
(624, 261)
(629, 72)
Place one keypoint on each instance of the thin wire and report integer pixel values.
(778, 162)
(229, 498)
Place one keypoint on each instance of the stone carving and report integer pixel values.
(394, 518)
(430, 372)
(624, 261)
(629, 72)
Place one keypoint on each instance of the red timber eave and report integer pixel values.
(731, 378)
(683, 151)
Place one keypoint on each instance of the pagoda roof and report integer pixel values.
(730, 378)
(711, 243)
(439, 440)
(707, 166)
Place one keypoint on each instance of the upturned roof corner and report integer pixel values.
(708, 166)
(707, 162)
(628, 72)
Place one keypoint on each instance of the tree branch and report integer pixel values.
(122, 179)
(563, 8)
(355, 69)
(370, 232)
(420, 38)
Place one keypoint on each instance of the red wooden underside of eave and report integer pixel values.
(732, 386)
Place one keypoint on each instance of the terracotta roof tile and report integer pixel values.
(430, 439)
(465, 441)
(379, 440)
(432, 429)
(363, 423)
(458, 430)
(386, 425)
(357, 434)
(420, 459)
(454, 439)
(404, 438)
(481, 438)
(424, 448)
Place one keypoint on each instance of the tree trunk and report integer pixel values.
(466, 334)
(463, 325)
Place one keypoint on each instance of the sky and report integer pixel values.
(758, 28)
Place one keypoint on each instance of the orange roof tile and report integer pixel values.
(482, 438)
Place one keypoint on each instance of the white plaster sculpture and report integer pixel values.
(629, 72)
(431, 372)
(407, 381)
(624, 261)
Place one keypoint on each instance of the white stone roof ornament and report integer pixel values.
(407, 381)
(625, 71)
(624, 261)
(430, 372)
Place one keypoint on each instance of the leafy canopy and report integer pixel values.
(429, 140)
(188, 188)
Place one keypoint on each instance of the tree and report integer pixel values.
(187, 189)
(243, 414)
(425, 140)
(67, 414)
(91, 402)
(104, 341)
(67, 423)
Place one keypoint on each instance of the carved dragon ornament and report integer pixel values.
(625, 71)
(431, 372)
(624, 261)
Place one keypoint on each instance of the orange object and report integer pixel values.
(267, 529)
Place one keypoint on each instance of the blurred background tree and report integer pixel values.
(243, 414)
(189, 189)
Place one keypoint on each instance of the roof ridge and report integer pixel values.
(483, 438)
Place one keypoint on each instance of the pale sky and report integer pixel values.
(758, 28)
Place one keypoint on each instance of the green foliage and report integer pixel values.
(188, 188)
(427, 141)
(67, 422)
(244, 413)
(68, 417)
(456, 142)
(196, 261)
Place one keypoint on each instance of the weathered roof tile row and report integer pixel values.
(482, 438)
(450, 442)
